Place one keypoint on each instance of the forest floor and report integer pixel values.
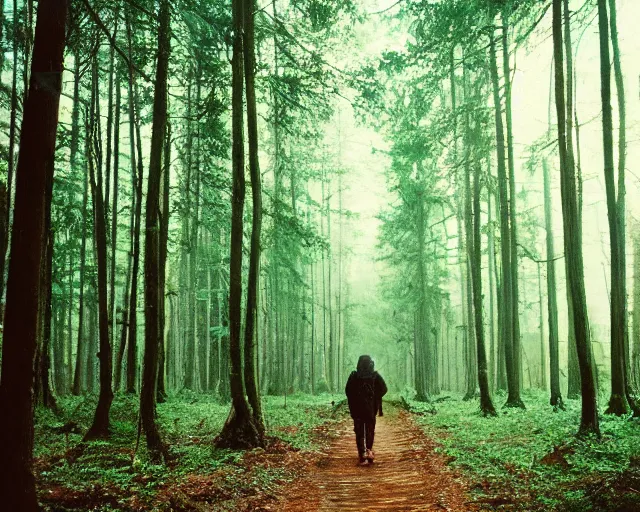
(112, 475)
(531, 460)
(441, 456)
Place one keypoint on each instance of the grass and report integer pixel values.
(531, 459)
(111, 475)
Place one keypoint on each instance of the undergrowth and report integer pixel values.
(532, 460)
(113, 475)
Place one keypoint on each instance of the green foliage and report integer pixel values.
(110, 474)
(532, 454)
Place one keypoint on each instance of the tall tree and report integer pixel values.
(137, 175)
(474, 254)
(552, 300)
(153, 336)
(506, 281)
(239, 430)
(77, 376)
(618, 403)
(100, 426)
(513, 216)
(250, 379)
(573, 243)
(573, 370)
(35, 170)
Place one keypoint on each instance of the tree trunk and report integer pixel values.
(100, 425)
(508, 333)
(253, 285)
(39, 124)
(512, 400)
(331, 364)
(474, 251)
(492, 315)
(573, 244)
(422, 339)
(312, 369)
(192, 377)
(128, 284)
(69, 336)
(164, 241)
(573, 366)
(114, 218)
(471, 369)
(622, 229)
(635, 359)
(80, 356)
(43, 391)
(134, 113)
(58, 350)
(91, 341)
(223, 323)
(543, 356)
(184, 296)
(153, 292)
(618, 401)
(239, 431)
(552, 301)
(13, 125)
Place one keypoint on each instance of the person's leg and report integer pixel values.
(359, 429)
(371, 432)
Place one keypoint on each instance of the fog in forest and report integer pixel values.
(209, 211)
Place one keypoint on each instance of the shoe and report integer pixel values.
(370, 455)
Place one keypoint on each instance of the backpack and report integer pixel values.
(368, 394)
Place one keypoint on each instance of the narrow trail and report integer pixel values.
(408, 475)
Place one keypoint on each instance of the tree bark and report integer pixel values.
(573, 366)
(422, 339)
(114, 214)
(80, 356)
(618, 403)
(44, 394)
(134, 113)
(39, 124)
(491, 271)
(635, 358)
(239, 431)
(513, 399)
(552, 300)
(13, 126)
(132, 217)
(253, 285)
(100, 426)
(573, 244)
(164, 241)
(474, 243)
(153, 292)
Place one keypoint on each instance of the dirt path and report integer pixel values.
(408, 474)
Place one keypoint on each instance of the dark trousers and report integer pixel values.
(365, 431)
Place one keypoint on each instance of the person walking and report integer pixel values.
(365, 389)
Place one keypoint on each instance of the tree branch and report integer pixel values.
(112, 41)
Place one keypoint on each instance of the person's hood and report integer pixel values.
(365, 368)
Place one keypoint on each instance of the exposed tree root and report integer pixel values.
(617, 405)
(239, 433)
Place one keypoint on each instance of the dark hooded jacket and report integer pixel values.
(365, 389)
